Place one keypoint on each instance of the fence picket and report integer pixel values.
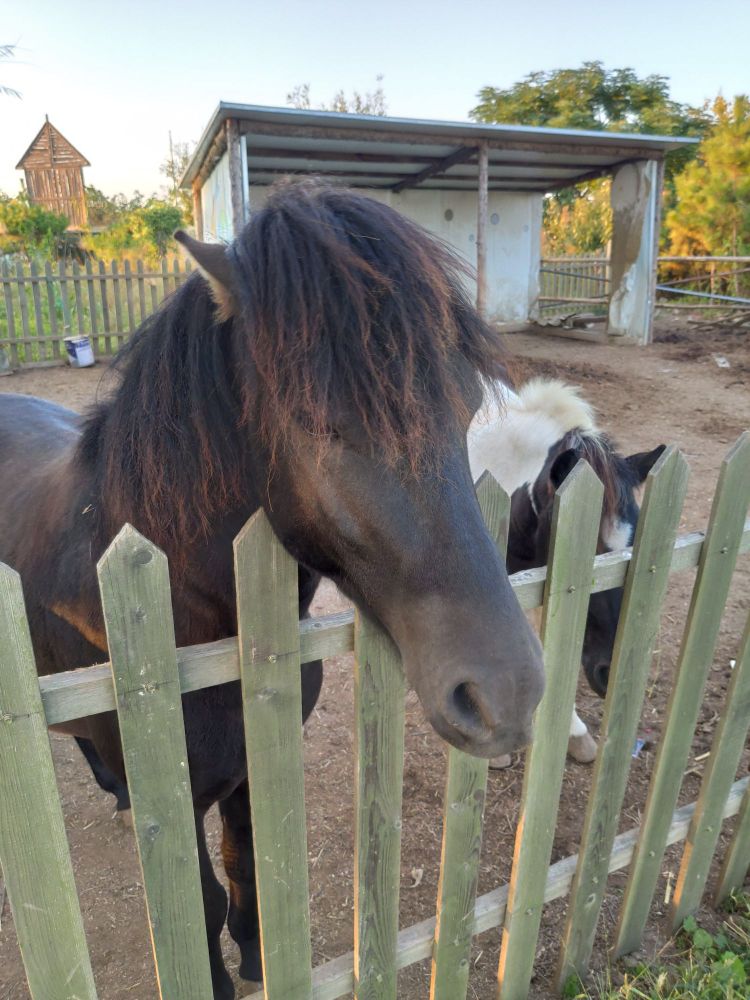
(268, 613)
(10, 313)
(65, 301)
(705, 825)
(718, 557)
(33, 848)
(645, 586)
(141, 291)
(132, 325)
(24, 307)
(57, 348)
(37, 301)
(116, 341)
(575, 531)
(80, 315)
(379, 693)
(93, 318)
(465, 788)
(136, 599)
(736, 862)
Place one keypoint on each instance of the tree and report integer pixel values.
(173, 168)
(592, 97)
(135, 228)
(581, 225)
(371, 103)
(30, 229)
(711, 214)
(8, 52)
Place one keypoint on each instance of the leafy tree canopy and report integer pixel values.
(596, 98)
(711, 214)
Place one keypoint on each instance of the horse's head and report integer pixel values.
(358, 360)
(531, 524)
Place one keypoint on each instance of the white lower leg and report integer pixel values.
(581, 744)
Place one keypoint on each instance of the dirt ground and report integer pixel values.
(675, 392)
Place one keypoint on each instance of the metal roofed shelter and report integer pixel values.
(478, 187)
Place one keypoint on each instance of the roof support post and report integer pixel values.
(237, 194)
(197, 210)
(635, 196)
(482, 205)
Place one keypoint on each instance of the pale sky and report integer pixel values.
(116, 77)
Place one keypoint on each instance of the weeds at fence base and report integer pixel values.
(707, 965)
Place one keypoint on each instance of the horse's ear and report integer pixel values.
(214, 265)
(562, 466)
(643, 462)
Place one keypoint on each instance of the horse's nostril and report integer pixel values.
(467, 709)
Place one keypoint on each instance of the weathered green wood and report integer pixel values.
(129, 296)
(116, 340)
(736, 862)
(10, 313)
(141, 292)
(75, 693)
(23, 303)
(56, 348)
(575, 531)
(379, 702)
(64, 300)
(717, 780)
(645, 587)
(718, 557)
(462, 818)
(33, 848)
(134, 586)
(336, 979)
(79, 298)
(91, 292)
(36, 297)
(268, 613)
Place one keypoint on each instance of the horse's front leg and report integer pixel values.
(215, 908)
(581, 744)
(239, 864)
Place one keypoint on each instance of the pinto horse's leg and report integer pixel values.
(215, 909)
(581, 744)
(107, 780)
(239, 864)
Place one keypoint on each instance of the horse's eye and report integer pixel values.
(309, 426)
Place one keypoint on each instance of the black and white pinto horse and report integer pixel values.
(530, 440)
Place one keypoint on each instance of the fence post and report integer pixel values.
(33, 847)
(268, 625)
(465, 787)
(575, 531)
(645, 586)
(137, 605)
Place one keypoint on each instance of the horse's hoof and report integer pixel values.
(582, 748)
(125, 816)
(251, 964)
(500, 763)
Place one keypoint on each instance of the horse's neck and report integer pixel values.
(511, 441)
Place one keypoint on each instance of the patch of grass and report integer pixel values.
(708, 966)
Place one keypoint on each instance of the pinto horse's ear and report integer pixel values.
(643, 462)
(214, 265)
(562, 466)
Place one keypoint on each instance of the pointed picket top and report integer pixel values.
(495, 506)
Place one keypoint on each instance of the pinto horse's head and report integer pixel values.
(531, 524)
(358, 361)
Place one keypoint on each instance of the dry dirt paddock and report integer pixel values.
(674, 392)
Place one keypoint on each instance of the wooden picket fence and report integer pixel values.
(147, 674)
(42, 303)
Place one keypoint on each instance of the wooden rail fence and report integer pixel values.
(42, 303)
(146, 675)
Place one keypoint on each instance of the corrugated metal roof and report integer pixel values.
(373, 151)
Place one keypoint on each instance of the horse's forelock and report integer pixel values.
(343, 298)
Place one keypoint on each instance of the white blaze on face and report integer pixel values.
(618, 535)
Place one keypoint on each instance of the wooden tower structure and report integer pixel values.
(53, 170)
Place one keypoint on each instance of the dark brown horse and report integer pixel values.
(327, 371)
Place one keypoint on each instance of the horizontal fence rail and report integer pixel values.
(43, 303)
(718, 283)
(147, 674)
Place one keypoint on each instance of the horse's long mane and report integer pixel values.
(345, 299)
(340, 298)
